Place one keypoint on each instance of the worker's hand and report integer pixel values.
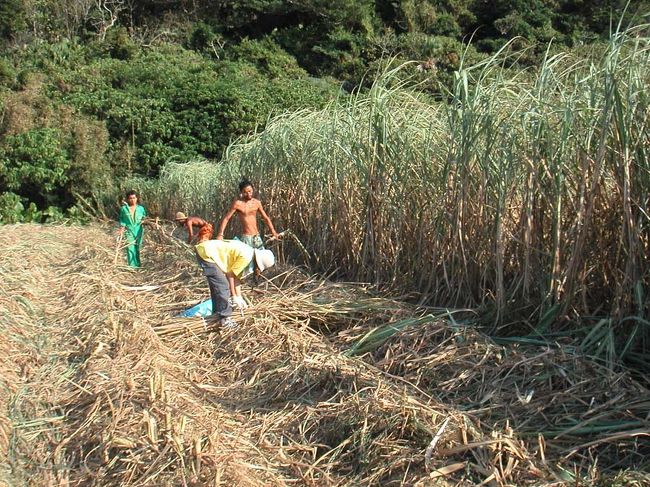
(219, 237)
(239, 302)
(235, 301)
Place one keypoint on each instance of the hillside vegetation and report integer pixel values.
(93, 91)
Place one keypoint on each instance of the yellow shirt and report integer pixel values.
(229, 255)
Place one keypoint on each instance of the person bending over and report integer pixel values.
(189, 222)
(224, 264)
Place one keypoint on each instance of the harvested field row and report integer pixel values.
(106, 387)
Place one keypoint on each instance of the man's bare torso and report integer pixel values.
(247, 211)
(194, 221)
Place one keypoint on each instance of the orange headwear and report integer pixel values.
(205, 232)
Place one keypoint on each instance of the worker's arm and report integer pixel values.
(267, 220)
(226, 219)
(190, 233)
(233, 283)
(124, 218)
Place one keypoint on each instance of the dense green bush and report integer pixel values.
(13, 210)
(49, 151)
(81, 115)
(268, 58)
(201, 38)
(259, 17)
(173, 103)
(7, 73)
(88, 146)
(12, 18)
(342, 54)
(34, 162)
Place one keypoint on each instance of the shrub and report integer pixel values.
(34, 161)
(88, 146)
(171, 103)
(445, 24)
(268, 58)
(12, 18)
(341, 53)
(419, 16)
(11, 208)
(201, 37)
(7, 73)
(120, 45)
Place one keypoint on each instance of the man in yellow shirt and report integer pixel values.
(224, 264)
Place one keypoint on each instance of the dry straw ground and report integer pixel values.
(101, 385)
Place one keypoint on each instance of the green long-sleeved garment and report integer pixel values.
(133, 232)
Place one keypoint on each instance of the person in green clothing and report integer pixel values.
(131, 216)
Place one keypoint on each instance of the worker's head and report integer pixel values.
(131, 198)
(246, 190)
(264, 259)
(205, 232)
(180, 217)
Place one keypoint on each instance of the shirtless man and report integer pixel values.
(247, 208)
(189, 222)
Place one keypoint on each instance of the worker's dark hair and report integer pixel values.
(244, 182)
(131, 192)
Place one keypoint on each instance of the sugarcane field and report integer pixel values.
(327, 244)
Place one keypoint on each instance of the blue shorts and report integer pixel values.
(254, 241)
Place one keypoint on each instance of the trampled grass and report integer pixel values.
(103, 385)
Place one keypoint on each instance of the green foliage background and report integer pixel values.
(94, 92)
